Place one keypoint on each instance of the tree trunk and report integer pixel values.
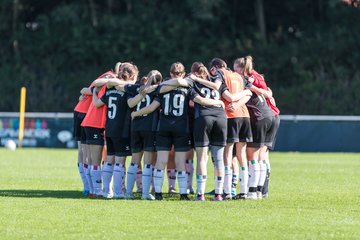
(94, 19)
(260, 18)
(14, 26)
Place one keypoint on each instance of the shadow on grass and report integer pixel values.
(22, 193)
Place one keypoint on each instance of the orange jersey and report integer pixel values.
(96, 117)
(235, 84)
(84, 104)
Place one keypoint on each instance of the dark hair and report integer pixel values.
(218, 63)
(199, 69)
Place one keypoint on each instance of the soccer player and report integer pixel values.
(117, 130)
(94, 125)
(143, 130)
(80, 111)
(238, 123)
(244, 66)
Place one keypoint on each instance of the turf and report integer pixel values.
(312, 196)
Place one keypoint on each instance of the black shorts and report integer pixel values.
(142, 140)
(274, 134)
(165, 140)
(239, 130)
(119, 147)
(94, 136)
(210, 130)
(262, 131)
(83, 136)
(78, 118)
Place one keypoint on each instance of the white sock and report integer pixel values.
(107, 172)
(234, 180)
(138, 180)
(96, 179)
(262, 177)
(189, 166)
(244, 179)
(171, 174)
(83, 177)
(200, 184)
(254, 175)
(152, 179)
(158, 180)
(118, 175)
(131, 177)
(219, 183)
(182, 181)
(146, 179)
(87, 169)
(227, 180)
(268, 164)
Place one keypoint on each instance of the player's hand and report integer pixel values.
(230, 107)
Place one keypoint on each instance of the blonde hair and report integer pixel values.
(128, 71)
(177, 69)
(199, 69)
(245, 64)
(117, 68)
(153, 77)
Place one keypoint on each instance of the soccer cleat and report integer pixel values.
(252, 196)
(158, 196)
(265, 195)
(129, 196)
(259, 195)
(227, 196)
(147, 197)
(109, 195)
(200, 197)
(240, 196)
(172, 191)
(217, 198)
(184, 197)
(119, 196)
(190, 190)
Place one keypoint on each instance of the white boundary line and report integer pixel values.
(294, 118)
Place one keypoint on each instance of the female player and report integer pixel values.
(117, 130)
(143, 130)
(244, 66)
(94, 125)
(238, 123)
(80, 111)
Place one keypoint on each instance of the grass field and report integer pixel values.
(312, 196)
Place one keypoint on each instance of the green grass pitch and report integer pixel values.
(312, 196)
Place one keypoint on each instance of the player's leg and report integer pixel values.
(171, 172)
(189, 165)
(122, 150)
(181, 147)
(149, 155)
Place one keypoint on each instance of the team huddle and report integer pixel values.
(231, 114)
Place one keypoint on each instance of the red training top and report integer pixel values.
(84, 104)
(96, 116)
(259, 82)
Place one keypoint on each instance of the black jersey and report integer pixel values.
(197, 89)
(118, 113)
(174, 108)
(146, 122)
(257, 105)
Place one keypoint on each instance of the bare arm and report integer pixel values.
(96, 101)
(260, 91)
(177, 82)
(119, 84)
(135, 100)
(213, 85)
(142, 93)
(208, 101)
(86, 91)
(100, 82)
(146, 110)
(235, 105)
(233, 97)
